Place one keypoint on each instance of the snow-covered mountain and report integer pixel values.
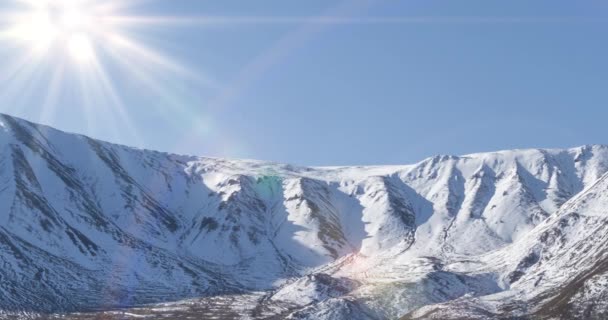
(559, 270)
(88, 226)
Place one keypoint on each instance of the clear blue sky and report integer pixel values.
(365, 82)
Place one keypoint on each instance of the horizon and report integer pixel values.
(404, 81)
(567, 148)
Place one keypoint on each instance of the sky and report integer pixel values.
(359, 82)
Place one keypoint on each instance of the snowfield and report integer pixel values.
(90, 228)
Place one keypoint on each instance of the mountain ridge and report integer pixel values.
(145, 149)
(133, 227)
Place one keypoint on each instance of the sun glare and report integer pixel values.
(64, 24)
(80, 48)
(83, 49)
(74, 18)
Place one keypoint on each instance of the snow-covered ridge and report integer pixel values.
(91, 225)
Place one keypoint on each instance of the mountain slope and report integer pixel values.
(558, 271)
(92, 225)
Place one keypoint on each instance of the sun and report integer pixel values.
(63, 24)
(82, 53)
(80, 47)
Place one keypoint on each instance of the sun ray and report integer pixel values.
(18, 77)
(132, 21)
(172, 108)
(62, 38)
(53, 93)
(116, 103)
(152, 58)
